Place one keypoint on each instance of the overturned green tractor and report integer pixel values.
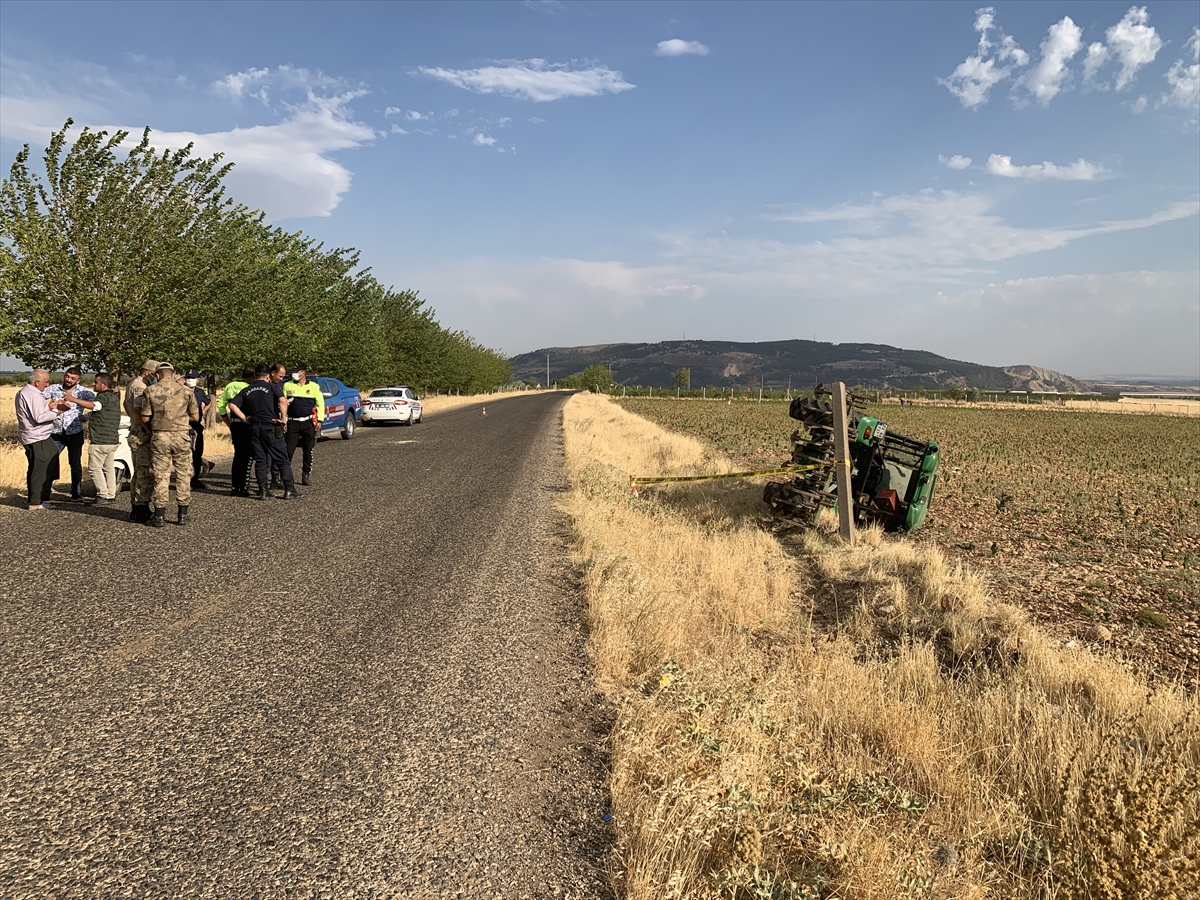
(892, 477)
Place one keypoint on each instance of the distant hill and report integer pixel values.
(732, 364)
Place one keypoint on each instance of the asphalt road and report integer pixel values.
(380, 690)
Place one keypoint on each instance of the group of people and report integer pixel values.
(267, 419)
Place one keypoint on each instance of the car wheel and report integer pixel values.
(417, 420)
(122, 474)
(349, 425)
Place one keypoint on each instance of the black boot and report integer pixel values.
(304, 480)
(262, 494)
(275, 482)
(140, 513)
(159, 520)
(184, 517)
(289, 492)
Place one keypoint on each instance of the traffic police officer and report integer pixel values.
(305, 413)
(141, 481)
(168, 409)
(264, 408)
(239, 433)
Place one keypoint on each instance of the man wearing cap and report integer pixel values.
(141, 481)
(168, 408)
(192, 381)
(305, 412)
(264, 408)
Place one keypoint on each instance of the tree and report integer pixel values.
(596, 379)
(954, 392)
(682, 378)
(101, 263)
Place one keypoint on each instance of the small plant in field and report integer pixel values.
(1153, 618)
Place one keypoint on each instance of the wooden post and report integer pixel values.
(841, 450)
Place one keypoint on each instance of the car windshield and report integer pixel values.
(376, 394)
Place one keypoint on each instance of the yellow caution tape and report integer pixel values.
(635, 480)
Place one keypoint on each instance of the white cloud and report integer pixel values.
(1097, 56)
(236, 84)
(413, 116)
(392, 111)
(955, 162)
(1046, 79)
(1139, 105)
(534, 79)
(1185, 86)
(396, 129)
(974, 78)
(283, 168)
(1080, 170)
(482, 140)
(676, 47)
(1134, 43)
(504, 121)
(549, 7)
(1184, 79)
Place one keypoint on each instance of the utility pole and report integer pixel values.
(841, 450)
(547, 371)
(760, 387)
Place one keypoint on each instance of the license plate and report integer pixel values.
(381, 406)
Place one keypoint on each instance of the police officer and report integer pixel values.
(239, 433)
(278, 376)
(168, 408)
(305, 412)
(141, 482)
(264, 408)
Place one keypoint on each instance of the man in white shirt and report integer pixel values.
(35, 421)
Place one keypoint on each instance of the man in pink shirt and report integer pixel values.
(35, 421)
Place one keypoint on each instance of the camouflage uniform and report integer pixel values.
(172, 406)
(141, 481)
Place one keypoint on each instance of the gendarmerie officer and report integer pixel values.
(141, 482)
(168, 409)
(263, 407)
(305, 412)
(239, 433)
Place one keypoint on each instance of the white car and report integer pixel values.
(392, 404)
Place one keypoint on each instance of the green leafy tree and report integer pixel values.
(681, 378)
(596, 379)
(102, 260)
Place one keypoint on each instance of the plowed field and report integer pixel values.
(1078, 517)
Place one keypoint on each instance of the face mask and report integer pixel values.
(295, 376)
(190, 382)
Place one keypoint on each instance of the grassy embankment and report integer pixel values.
(801, 719)
(1080, 519)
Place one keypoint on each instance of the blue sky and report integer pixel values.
(1008, 184)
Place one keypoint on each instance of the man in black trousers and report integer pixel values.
(239, 433)
(263, 408)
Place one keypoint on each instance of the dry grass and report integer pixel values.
(801, 719)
